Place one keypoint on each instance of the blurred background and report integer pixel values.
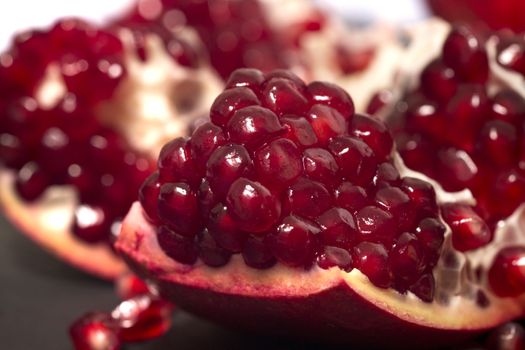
(22, 14)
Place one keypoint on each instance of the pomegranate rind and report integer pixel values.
(322, 305)
(47, 222)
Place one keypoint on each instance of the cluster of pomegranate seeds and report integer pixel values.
(65, 144)
(136, 319)
(236, 33)
(288, 172)
(476, 135)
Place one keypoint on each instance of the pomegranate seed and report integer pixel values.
(424, 288)
(31, 181)
(178, 247)
(278, 163)
(307, 198)
(373, 133)
(510, 53)
(372, 260)
(299, 131)
(406, 260)
(282, 96)
(507, 273)
(379, 100)
(469, 231)
(142, 318)
(253, 207)
(375, 224)
(334, 256)
(206, 138)
(225, 165)
(508, 106)
(129, 285)
(224, 230)
(245, 77)
(396, 202)
(438, 82)
(177, 206)
(320, 165)
(148, 194)
(95, 331)
(331, 95)
(350, 197)
(326, 122)
(510, 336)
(355, 159)
(386, 174)
(464, 53)
(175, 163)
(294, 240)
(498, 141)
(425, 116)
(251, 126)
(422, 194)
(210, 252)
(257, 254)
(338, 228)
(92, 223)
(230, 101)
(431, 234)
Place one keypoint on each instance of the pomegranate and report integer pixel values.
(81, 116)
(290, 206)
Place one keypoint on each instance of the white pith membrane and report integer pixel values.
(462, 299)
(157, 100)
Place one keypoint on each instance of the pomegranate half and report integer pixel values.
(289, 214)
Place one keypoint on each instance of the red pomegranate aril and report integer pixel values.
(469, 230)
(79, 177)
(320, 165)
(148, 195)
(338, 228)
(177, 206)
(230, 101)
(224, 230)
(246, 77)
(253, 125)
(293, 242)
(331, 95)
(355, 158)
(373, 133)
(307, 198)
(506, 276)
(457, 170)
(424, 288)
(508, 106)
(206, 138)
(253, 207)
(180, 248)
(282, 96)
(438, 82)
(422, 194)
(498, 141)
(334, 256)
(128, 285)
(463, 52)
(375, 224)
(425, 116)
(284, 74)
(467, 110)
(95, 331)
(351, 197)
(431, 234)
(414, 149)
(31, 181)
(386, 175)
(92, 223)
(278, 163)
(210, 252)
(142, 318)
(508, 191)
(299, 131)
(326, 122)
(406, 260)
(396, 202)
(226, 164)
(372, 260)
(511, 53)
(257, 254)
(510, 336)
(175, 163)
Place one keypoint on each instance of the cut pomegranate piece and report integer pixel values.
(282, 239)
(74, 132)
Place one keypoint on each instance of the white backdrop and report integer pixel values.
(22, 14)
